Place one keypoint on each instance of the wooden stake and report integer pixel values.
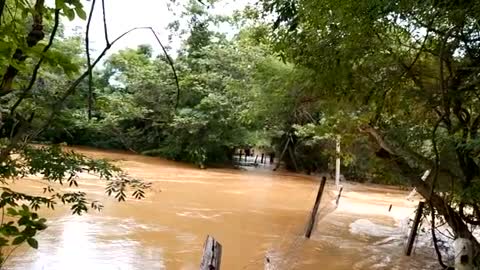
(338, 197)
(212, 254)
(413, 232)
(268, 264)
(311, 223)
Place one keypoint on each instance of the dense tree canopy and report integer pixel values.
(406, 73)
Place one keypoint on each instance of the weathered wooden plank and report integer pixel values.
(413, 232)
(311, 223)
(212, 254)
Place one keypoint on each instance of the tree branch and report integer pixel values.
(417, 56)
(170, 61)
(437, 155)
(71, 89)
(434, 238)
(405, 153)
(105, 30)
(373, 132)
(453, 218)
(445, 98)
(89, 61)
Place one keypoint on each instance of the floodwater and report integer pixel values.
(254, 213)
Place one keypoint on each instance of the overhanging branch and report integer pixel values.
(89, 61)
(71, 89)
(105, 30)
(170, 62)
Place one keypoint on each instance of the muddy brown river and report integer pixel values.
(253, 213)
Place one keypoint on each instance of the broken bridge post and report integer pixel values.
(212, 254)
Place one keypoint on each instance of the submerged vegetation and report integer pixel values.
(397, 82)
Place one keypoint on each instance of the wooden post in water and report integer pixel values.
(268, 264)
(413, 232)
(337, 163)
(338, 197)
(212, 254)
(311, 222)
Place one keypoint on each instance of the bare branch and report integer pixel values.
(74, 85)
(170, 61)
(89, 61)
(105, 30)
(417, 56)
(434, 238)
(374, 133)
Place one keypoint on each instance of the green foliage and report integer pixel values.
(56, 167)
(405, 73)
(37, 65)
(24, 229)
(136, 96)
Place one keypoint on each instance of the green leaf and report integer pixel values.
(9, 230)
(12, 211)
(23, 220)
(33, 243)
(81, 13)
(3, 242)
(69, 13)
(41, 226)
(18, 240)
(29, 232)
(59, 4)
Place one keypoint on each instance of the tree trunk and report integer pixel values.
(453, 218)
